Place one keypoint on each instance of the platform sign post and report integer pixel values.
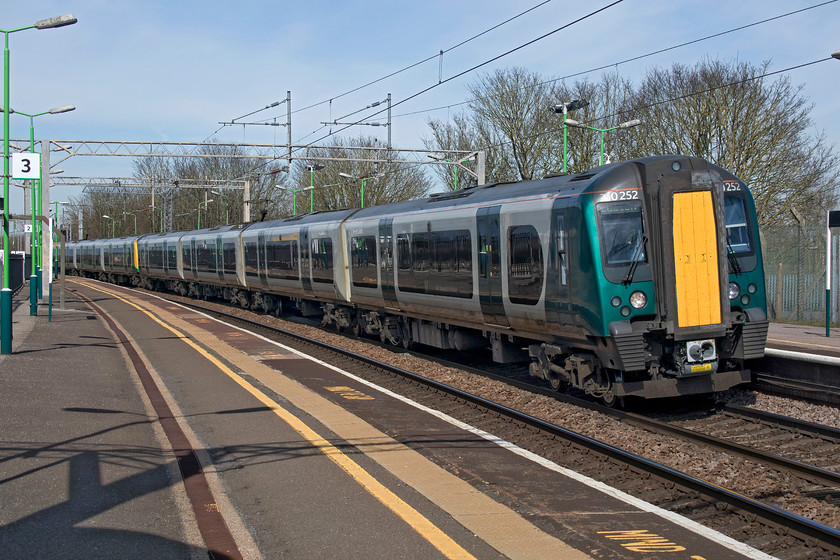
(833, 222)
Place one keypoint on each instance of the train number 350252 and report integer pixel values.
(620, 195)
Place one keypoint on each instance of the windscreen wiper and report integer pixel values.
(733, 260)
(637, 257)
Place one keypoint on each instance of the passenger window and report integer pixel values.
(363, 256)
(322, 260)
(525, 265)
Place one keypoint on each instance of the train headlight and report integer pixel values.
(745, 299)
(752, 288)
(734, 290)
(625, 311)
(638, 300)
(615, 301)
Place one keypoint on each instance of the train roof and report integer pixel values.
(608, 176)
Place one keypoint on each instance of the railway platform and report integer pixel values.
(134, 427)
(804, 339)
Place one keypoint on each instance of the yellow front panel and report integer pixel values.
(696, 259)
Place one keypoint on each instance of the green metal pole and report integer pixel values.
(6, 293)
(565, 134)
(363, 192)
(311, 189)
(601, 159)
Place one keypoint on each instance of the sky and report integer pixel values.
(172, 71)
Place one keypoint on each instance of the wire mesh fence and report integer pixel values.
(795, 269)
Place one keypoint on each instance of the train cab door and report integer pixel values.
(305, 261)
(488, 226)
(386, 262)
(692, 257)
(560, 256)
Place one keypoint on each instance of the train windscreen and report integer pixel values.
(621, 228)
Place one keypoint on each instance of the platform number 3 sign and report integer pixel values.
(26, 165)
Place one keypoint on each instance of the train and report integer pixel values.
(641, 278)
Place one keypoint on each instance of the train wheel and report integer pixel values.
(557, 383)
(610, 400)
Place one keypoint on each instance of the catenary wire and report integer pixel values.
(475, 67)
(635, 58)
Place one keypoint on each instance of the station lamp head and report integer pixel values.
(630, 124)
(571, 106)
(57, 21)
(574, 123)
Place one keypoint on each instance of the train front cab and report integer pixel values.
(699, 332)
(675, 300)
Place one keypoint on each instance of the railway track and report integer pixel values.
(762, 525)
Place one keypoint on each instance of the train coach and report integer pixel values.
(640, 278)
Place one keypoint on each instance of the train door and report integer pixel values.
(193, 259)
(560, 256)
(490, 265)
(386, 261)
(220, 259)
(305, 262)
(692, 256)
(164, 256)
(262, 259)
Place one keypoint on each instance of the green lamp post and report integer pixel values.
(135, 220)
(565, 109)
(36, 202)
(312, 169)
(6, 292)
(227, 205)
(362, 179)
(628, 124)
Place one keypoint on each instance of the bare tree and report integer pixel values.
(511, 117)
(606, 100)
(759, 129)
(457, 136)
(349, 174)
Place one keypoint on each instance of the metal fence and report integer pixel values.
(795, 266)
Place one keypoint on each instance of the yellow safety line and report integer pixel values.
(415, 519)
